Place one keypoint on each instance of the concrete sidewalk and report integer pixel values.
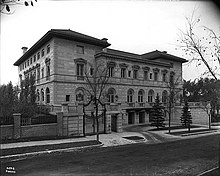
(112, 139)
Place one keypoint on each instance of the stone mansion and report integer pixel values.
(59, 58)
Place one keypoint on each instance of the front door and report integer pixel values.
(114, 123)
(141, 117)
(130, 117)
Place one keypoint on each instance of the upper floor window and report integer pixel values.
(145, 75)
(34, 58)
(91, 71)
(31, 60)
(155, 76)
(151, 76)
(164, 77)
(42, 52)
(140, 96)
(150, 96)
(129, 73)
(48, 48)
(135, 74)
(80, 49)
(130, 94)
(111, 95)
(38, 55)
(164, 96)
(79, 69)
(42, 72)
(110, 71)
(172, 78)
(123, 72)
(28, 62)
(47, 95)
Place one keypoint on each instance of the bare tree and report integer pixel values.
(97, 79)
(202, 44)
(173, 90)
(7, 4)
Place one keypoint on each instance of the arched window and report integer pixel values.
(150, 96)
(79, 94)
(111, 95)
(130, 96)
(42, 95)
(140, 96)
(47, 95)
(164, 96)
(38, 95)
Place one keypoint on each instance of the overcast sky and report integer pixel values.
(135, 26)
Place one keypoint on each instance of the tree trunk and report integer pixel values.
(97, 123)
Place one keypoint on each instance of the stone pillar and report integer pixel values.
(147, 121)
(108, 123)
(80, 123)
(119, 123)
(80, 108)
(125, 119)
(65, 107)
(136, 117)
(60, 123)
(17, 125)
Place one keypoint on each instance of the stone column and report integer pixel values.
(80, 122)
(108, 123)
(147, 121)
(119, 123)
(17, 125)
(60, 123)
(136, 117)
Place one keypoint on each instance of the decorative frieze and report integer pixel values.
(135, 67)
(146, 68)
(157, 70)
(123, 65)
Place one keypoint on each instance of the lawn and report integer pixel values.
(184, 157)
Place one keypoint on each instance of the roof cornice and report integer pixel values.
(64, 34)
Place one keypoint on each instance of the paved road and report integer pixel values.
(184, 157)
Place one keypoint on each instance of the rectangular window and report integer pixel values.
(67, 97)
(155, 76)
(135, 74)
(164, 77)
(38, 55)
(151, 75)
(80, 49)
(91, 71)
(129, 73)
(110, 71)
(34, 58)
(42, 72)
(171, 80)
(48, 48)
(42, 52)
(145, 75)
(31, 60)
(28, 62)
(123, 72)
(80, 69)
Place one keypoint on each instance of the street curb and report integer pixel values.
(210, 170)
(198, 133)
(51, 151)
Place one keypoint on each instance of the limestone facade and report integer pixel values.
(57, 61)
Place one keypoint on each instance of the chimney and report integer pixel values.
(24, 48)
(105, 39)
